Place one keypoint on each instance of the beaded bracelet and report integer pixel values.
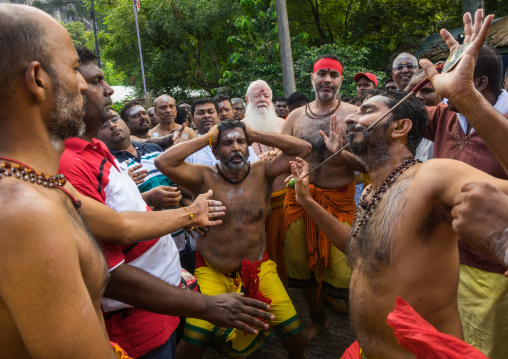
(191, 216)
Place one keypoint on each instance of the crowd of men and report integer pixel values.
(159, 232)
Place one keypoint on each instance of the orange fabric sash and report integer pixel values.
(340, 202)
(119, 352)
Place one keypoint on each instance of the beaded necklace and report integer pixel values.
(319, 117)
(230, 180)
(370, 205)
(26, 173)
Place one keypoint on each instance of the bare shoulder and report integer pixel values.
(190, 132)
(347, 108)
(33, 223)
(292, 120)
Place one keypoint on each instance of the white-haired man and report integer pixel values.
(260, 115)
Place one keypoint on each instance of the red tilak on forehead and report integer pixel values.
(261, 90)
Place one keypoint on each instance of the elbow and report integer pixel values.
(307, 150)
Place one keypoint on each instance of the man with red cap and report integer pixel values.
(365, 82)
(312, 262)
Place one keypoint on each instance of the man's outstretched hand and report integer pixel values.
(457, 84)
(205, 210)
(299, 168)
(233, 310)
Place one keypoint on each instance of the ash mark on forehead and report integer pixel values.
(165, 98)
(233, 135)
(136, 109)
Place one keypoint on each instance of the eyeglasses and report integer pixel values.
(407, 66)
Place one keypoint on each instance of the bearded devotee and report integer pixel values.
(312, 262)
(238, 108)
(234, 258)
(456, 138)
(136, 118)
(402, 243)
(261, 116)
(165, 109)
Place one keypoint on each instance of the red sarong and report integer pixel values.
(353, 352)
(424, 341)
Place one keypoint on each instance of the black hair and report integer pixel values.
(182, 102)
(389, 80)
(281, 99)
(328, 56)
(231, 124)
(296, 97)
(85, 56)
(126, 107)
(347, 99)
(489, 64)
(414, 110)
(22, 40)
(181, 115)
(202, 101)
(221, 98)
(372, 93)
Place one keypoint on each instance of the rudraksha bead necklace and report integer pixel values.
(19, 170)
(370, 205)
(319, 117)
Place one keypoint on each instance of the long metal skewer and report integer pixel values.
(413, 92)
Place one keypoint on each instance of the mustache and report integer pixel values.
(356, 128)
(236, 153)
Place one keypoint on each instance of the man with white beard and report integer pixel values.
(260, 115)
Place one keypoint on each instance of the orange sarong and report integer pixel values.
(275, 235)
(339, 202)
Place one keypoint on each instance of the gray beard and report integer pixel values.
(261, 119)
(373, 149)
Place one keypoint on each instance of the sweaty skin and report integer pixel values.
(334, 174)
(242, 233)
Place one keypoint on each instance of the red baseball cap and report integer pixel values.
(368, 75)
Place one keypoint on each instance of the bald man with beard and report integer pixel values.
(260, 114)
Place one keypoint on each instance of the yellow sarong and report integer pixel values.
(483, 307)
(234, 342)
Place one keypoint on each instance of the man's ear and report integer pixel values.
(481, 83)
(401, 128)
(246, 99)
(37, 80)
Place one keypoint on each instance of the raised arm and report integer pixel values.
(290, 147)
(172, 162)
(337, 232)
(458, 86)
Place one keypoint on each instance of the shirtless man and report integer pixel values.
(165, 109)
(50, 304)
(260, 115)
(311, 262)
(402, 243)
(230, 257)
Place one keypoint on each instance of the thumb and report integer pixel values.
(208, 194)
(429, 68)
(325, 137)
